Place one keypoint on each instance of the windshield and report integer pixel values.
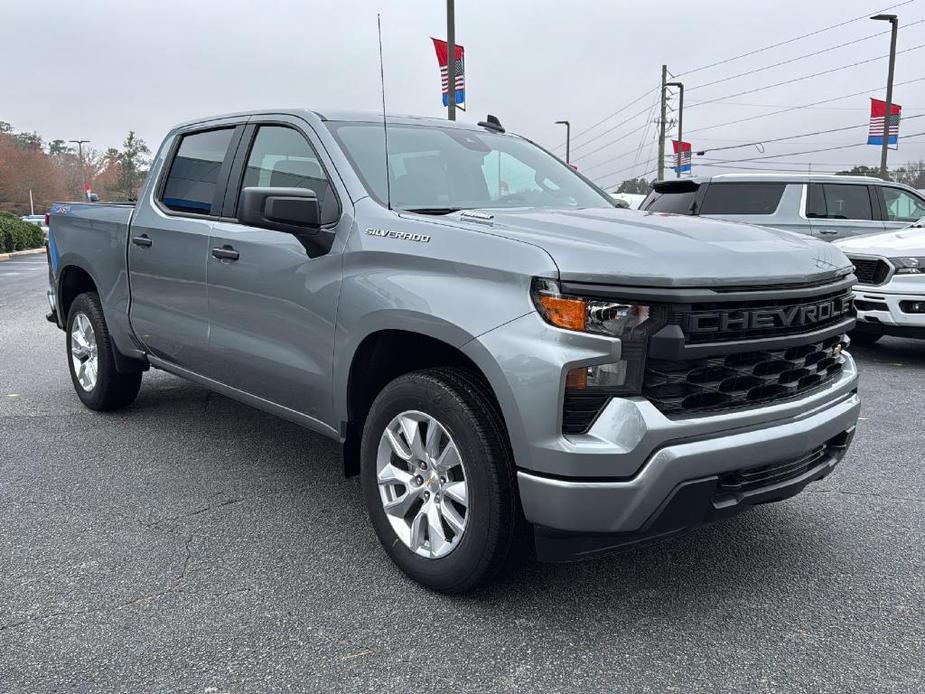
(439, 170)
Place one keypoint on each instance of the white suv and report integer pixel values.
(890, 295)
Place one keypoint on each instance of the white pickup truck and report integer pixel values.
(890, 296)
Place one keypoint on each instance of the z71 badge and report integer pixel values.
(400, 235)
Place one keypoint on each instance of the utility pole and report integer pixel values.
(451, 59)
(661, 127)
(680, 153)
(83, 169)
(888, 116)
(568, 139)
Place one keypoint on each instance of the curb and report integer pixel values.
(13, 254)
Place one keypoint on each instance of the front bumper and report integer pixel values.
(616, 478)
(686, 484)
(881, 309)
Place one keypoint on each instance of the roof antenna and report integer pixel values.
(385, 127)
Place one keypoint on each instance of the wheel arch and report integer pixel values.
(380, 357)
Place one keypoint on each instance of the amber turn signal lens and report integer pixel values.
(565, 313)
(577, 379)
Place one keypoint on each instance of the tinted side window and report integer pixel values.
(902, 206)
(282, 158)
(742, 198)
(190, 185)
(838, 201)
(678, 203)
(815, 202)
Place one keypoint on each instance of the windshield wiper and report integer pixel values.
(433, 210)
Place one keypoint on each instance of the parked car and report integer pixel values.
(827, 207)
(630, 201)
(491, 341)
(890, 295)
(36, 219)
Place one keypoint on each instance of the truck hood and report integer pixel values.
(891, 244)
(631, 247)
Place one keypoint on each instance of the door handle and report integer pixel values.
(142, 240)
(827, 231)
(225, 253)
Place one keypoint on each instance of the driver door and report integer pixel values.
(273, 294)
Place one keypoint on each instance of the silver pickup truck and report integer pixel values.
(507, 359)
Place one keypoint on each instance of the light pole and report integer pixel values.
(83, 169)
(568, 139)
(680, 153)
(888, 115)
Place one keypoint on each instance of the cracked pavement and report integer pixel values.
(191, 544)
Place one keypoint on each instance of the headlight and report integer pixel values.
(614, 318)
(909, 265)
(631, 322)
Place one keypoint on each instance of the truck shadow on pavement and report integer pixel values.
(291, 502)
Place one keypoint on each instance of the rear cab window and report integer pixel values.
(190, 186)
(675, 197)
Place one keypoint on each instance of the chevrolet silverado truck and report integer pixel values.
(508, 361)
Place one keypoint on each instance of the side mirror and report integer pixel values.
(294, 210)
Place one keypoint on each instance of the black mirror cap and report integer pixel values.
(293, 210)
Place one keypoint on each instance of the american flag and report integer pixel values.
(443, 55)
(685, 148)
(877, 117)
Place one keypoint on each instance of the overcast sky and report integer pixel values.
(94, 69)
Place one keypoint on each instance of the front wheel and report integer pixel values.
(438, 479)
(90, 358)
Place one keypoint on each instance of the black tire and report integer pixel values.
(112, 390)
(461, 402)
(864, 339)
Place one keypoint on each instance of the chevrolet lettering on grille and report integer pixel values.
(801, 315)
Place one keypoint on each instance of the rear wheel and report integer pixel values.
(438, 479)
(90, 358)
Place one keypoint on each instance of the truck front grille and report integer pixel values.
(748, 320)
(871, 271)
(739, 380)
(750, 479)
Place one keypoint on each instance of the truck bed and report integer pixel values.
(94, 235)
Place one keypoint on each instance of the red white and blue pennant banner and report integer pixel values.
(877, 118)
(685, 163)
(443, 55)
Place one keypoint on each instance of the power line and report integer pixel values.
(610, 130)
(802, 106)
(798, 58)
(789, 41)
(613, 142)
(804, 77)
(796, 137)
(607, 118)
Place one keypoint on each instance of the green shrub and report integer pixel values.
(17, 235)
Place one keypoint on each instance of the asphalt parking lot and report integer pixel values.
(191, 544)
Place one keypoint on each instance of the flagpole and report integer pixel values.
(451, 60)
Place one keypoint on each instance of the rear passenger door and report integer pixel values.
(169, 245)
(273, 295)
(842, 210)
